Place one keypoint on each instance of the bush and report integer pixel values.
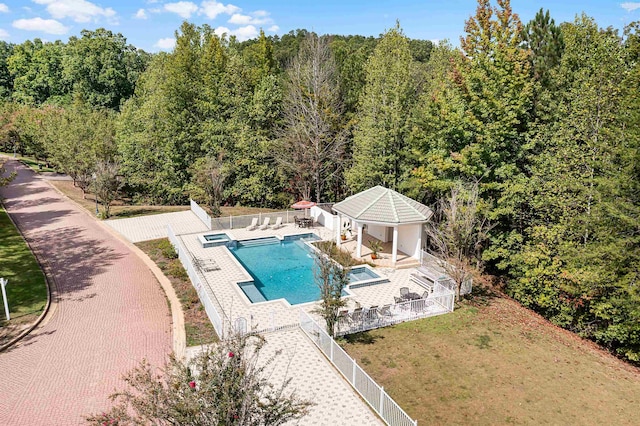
(175, 269)
(167, 250)
(224, 385)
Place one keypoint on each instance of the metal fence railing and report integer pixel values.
(430, 261)
(199, 211)
(371, 392)
(215, 313)
(440, 301)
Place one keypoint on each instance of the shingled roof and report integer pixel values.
(383, 205)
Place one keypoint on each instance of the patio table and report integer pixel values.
(412, 296)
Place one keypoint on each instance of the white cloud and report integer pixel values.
(140, 14)
(211, 9)
(273, 28)
(49, 26)
(166, 43)
(630, 6)
(3, 34)
(78, 10)
(241, 33)
(182, 8)
(4, 8)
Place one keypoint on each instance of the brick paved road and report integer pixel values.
(110, 314)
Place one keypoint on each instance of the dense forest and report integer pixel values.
(542, 118)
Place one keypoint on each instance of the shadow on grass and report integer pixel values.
(363, 338)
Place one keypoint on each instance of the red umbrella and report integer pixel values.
(303, 204)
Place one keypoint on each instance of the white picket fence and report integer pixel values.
(440, 301)
(430, 261)
(199, 211)
(211, 305)
(370, 391)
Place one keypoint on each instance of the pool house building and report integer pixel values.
(386, 216)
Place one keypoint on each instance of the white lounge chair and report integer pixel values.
(254, 224)
(278, 223)
(265, 224)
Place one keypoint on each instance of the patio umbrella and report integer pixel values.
(303, 205)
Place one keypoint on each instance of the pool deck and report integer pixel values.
(312, 375)
(278, 313)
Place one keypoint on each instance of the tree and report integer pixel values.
(581, 254)
(312, 141)
(106, 184)
(6, 80)
(381, 135)
(331, 279)
(209, 176)
(4, 180)
(457, 234)
(544, 38)
(101, 68)
(227, 384)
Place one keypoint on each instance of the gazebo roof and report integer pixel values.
(383, 205)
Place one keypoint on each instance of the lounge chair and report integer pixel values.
(265, 224)
(254, 224)
(278, 223)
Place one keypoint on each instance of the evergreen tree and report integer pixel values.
(381, 135)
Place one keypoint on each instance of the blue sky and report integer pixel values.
(150, 24)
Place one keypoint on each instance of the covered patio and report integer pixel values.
(384, 215)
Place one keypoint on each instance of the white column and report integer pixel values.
(359, 246)
(419, 244)
(394, 250)
(338, 230)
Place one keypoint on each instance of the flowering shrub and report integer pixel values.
(224, 385)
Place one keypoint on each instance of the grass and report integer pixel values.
(497, 363)
(122, 209)
(27, 290)
(35, 165)
(198, 327)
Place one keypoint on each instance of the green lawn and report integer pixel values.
(26, 291)
(497, 363)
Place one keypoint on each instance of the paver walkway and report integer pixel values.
(110, 313)
(144, 228)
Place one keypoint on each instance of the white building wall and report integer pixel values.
(409, 240)
(379, 232)
(323, 217)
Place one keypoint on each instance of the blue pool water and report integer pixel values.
(285, 270)
(216, 237)
(280, 270)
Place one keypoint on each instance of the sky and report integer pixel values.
(151, 24)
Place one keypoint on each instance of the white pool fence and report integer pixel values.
(370, 391)
(440, 301)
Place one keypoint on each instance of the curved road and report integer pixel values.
(110, 313)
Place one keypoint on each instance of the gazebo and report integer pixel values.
(388, 215)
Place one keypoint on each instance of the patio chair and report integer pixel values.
(265, 224)
(296, 221)
(398, 300)
(404, 291)
(254, 224)
(385, 312)
(356, 315)
(278, 223)
(425, 294)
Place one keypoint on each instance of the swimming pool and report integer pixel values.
(284, 269)
(213, 240)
